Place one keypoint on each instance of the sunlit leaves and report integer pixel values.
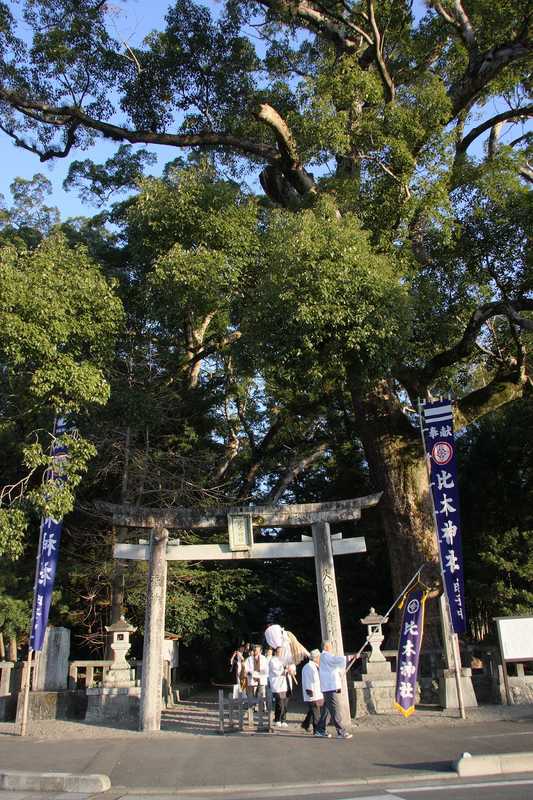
(326, 297)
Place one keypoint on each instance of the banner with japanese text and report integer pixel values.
(49, 548)
(439, 443)
(409, 650)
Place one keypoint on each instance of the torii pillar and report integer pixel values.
(328, 602)
(322, 547)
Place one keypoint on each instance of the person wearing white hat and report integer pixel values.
(311, 691)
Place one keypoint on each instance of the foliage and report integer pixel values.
(325, 297)
(496, 502)
(511, 559)
(58, 318)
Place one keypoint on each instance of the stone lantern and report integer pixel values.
(118, 698)
(119, 675)
(375, 637)
(374, 693)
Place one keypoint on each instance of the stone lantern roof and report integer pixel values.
(120, 627)
(373, 618)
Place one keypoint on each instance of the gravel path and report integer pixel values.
(199, 715)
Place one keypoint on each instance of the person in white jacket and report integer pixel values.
(311, 692)
(256, 667)
(280, 676)
(330, 670)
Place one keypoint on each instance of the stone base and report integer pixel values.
(113, 704)
(448, 689)
(374, 697)
(8, 707)
(520, 686)
(50, 705)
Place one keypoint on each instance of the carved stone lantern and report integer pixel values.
(119, 674)
(375, 637)
(374, 693)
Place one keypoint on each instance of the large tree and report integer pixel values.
(419, 194)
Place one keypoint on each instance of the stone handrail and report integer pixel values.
(5, 676)
(92, 671)
(88, 668)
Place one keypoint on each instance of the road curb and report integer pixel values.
(15, 780)
(251, 788)
(496, 764)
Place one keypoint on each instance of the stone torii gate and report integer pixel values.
(240, 521)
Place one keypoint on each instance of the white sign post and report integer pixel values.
(515, 635)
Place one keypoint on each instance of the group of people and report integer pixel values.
(272, 675)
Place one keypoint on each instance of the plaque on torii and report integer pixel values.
(240, 522)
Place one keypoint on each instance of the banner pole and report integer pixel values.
(447, 625)
(26, 688)
(354, 658)
(26, 695)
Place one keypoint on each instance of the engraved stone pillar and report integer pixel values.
(328, 603)
(51, 671)
(154, 629)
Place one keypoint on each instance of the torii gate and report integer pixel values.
(240, 521)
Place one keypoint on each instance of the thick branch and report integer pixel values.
(504, 388)
(526, 171)
(258, 455)
(388, 83)
(44, 155)
(58, 115)
(417, 380)
(297, 466)
(320, 22)
(484, 68)
(494, 139)
(460, 21)
(511, 113)
(291, 164)
(210, 348)
(521, 322)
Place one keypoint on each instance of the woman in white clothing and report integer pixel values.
(279, 675)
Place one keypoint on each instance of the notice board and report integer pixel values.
(516, 638)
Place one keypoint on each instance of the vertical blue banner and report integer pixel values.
(48, 549)
(439, 443)
(409, 650)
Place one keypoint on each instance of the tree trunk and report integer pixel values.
(397, 467)
(2, 648)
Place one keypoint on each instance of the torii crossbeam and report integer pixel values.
(240, 520)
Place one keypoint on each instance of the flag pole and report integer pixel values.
(27, 675)
(406, 588)
(446, 617)
(26, 695)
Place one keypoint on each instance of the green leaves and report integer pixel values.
(13, 528)
(58, 319)
(326, 297)
(58, 322)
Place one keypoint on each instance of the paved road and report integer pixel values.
(169, 762)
